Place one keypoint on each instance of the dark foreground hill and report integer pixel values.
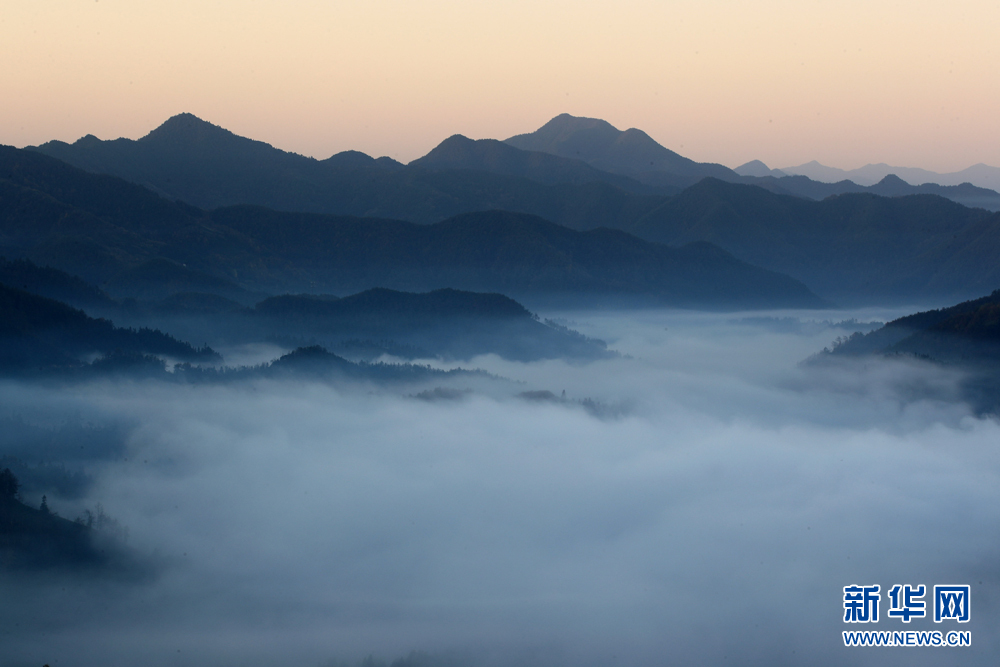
(965, 337)
(106, 230)
(37, 333)
(967, 333)
(39, 539)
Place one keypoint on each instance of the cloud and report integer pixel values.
(716, 521)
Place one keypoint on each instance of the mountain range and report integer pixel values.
(851, 248)
(561, 172)
(846, 242)
(981, 175)
(123, 237)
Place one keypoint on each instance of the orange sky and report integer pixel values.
(911, 83)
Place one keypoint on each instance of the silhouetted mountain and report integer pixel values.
(965, 336)
(490, 155)
(631, 153)
(968, 333)
(758, 169)
(965, 194)
(359, 160)
(37, 333)
(39, 539)
(890, 186)
(446, 323)
(979, 175)
(852, 248)
(317, 363)
(194, 161)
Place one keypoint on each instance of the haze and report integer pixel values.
(845, 83)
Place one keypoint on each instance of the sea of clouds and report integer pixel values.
(709, 511)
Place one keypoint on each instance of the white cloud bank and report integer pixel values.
(715, 523)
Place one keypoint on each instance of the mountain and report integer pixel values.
(631, 152)
(965, 336)
(490, 155)
(190, 160)
(444, 323)
(103, 229)
(758, 169)
(515, 254)
(967, 333)
(852, 248)
(37, 333)
(891, 185)
(981, 175)
(634, 154)
(38, 539)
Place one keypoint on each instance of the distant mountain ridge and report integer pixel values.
(190, 160)
(980, 175)
(891, 185)
(579, 172)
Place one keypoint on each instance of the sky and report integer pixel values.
(843, 82)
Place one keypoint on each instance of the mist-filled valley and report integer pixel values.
(568, 399)
(701, 496)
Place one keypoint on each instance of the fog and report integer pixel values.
(709, 512)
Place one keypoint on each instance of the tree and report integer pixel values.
(9, 486)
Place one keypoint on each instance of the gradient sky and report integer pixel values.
(843, 82)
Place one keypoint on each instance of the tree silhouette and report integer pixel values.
(9, 486)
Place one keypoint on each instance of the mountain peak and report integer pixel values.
(631, 153)
(759, 169)
(566, 128)
(567, 122)
(455, 140)
(186, 127)
(456, 150)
